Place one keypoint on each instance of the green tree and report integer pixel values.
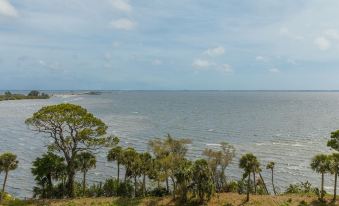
(321, 164)
(249, 163)
(47, 168)
(8, 93)
(201, 180)
(184, 177)
(334, 141)
(218, 160)
(85, 161)
(168, 152)
(145, 168)
(73, 130)
(116, 154)
(8, 162)
(34, 93)
(334, 168)
(270, 166)
(132, 162)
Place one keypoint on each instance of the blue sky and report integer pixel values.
(177, 44)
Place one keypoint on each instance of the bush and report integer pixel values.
(159, 192)
(95, 190)
(232, 187)
(110, 187)
(301, 188)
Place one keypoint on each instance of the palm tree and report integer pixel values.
(270, 166)
(8, 162)
(115, 154)
(320, 164)
(85, 162)
(248, 163)
(334, 168)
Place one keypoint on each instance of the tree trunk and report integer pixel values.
(273, 183)
(4, 185)
(322, 186)
(118, 178)
(254, 183)
(248, 188)
(167, 187)
(174, 187)
(263, 182)
(144, 185)
(70, 184)
(335, 185)
(84, 184)
(135, 186)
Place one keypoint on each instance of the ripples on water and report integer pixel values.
(286, 127)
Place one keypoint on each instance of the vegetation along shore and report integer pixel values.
(34, 94)
(161, 176)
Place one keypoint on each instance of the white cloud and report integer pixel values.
(201, 63)
(322, 43)
(226, 68)
(123, 24)
(121, 5)
(332, 33)
(156, 62)
(284, 31)
(7, 9)
(215, 51)
(260, 58)
(274, 70)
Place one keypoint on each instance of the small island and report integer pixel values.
(34, 94)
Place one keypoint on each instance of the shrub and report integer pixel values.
(300, 188)
(159, 192)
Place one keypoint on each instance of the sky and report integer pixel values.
(169, 45)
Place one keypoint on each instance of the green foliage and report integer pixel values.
(73, 130)
(34, 93)
(8, 162)
(201, 180)
(159, 192)
(301, 188)
(218, 160)
(334, 141)
(45, 169)
(8, 93)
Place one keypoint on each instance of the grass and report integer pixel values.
(224, 199)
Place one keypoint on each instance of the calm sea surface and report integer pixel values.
(286, 127)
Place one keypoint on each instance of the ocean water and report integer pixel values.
(286, 127)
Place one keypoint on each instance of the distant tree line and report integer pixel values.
(34, 94)
(77, 136)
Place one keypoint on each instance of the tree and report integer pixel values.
(145, 168)
(8, 162)
(334, 141)
(184, 177)
(73, 130)
(85, 162)
(132, 162)
(249, 164)
(168, 153)
(321, 164)
(218, 160)
(334, 168)
(8, 93)
(270, 166)
(47, 168)
(34, 93)
(201, 180)
(116, 154)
